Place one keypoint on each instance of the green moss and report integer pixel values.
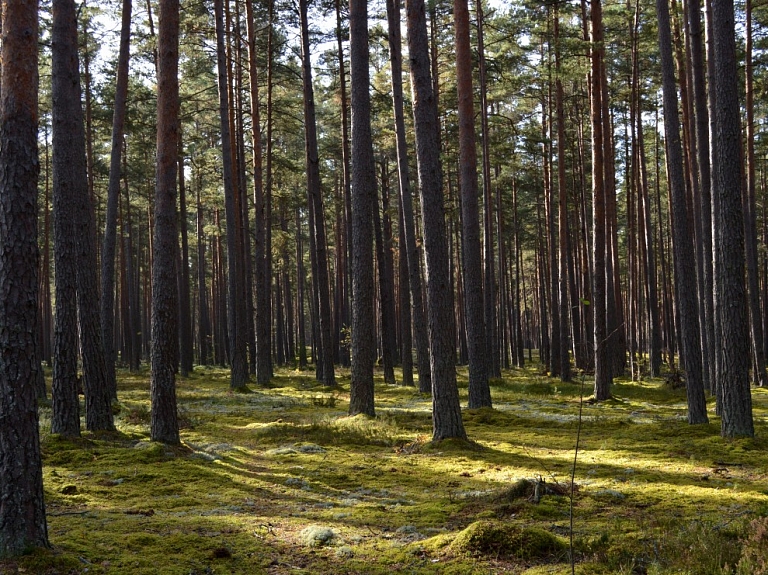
(258, 468)
(497, 539)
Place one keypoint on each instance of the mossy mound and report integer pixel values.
(497, 539)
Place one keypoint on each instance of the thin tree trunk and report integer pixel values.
(316, 204)
(409, 250)
(113, 200)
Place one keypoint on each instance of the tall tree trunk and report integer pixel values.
(410, 251)
(479, 390)
(685, 274)
(363, 193)
(344, 105)
(22, 513)
(489, 273)
(113, 200)
(164, 423)
(235, 326)
(263, 364)
(750, 219)
(564, 255)
(446, 411)
(70, 180)
(603, 378)
(316, 204)
(733, 370)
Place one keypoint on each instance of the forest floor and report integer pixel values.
(280, 481)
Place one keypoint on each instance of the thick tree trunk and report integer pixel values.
(750, 219)
(70, 181)
(363, 193)
(479, 391)
(164, 342)
(730, 293)
(22, 512)
(446, 411)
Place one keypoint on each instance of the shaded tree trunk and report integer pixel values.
(22, 513)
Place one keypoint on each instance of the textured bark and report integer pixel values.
(317, 227)
(69, 173)
(109, 242)
(409, 250)
(235, 319)
(489, 271)
(701, 131)
(479, 391)
(730, 293)
(22, 512)
(750, 219)
(446, 411)
(600, 286)
(263, 351)
(685, 273)
(164, 425)
(69, 149)
(363, 181)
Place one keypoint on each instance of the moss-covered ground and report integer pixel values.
(280, 480)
